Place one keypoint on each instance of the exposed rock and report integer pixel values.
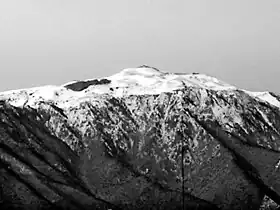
(82, 85)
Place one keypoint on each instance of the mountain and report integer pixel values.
(139, 139)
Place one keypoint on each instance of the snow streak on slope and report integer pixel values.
(265, 96)
(131, 81)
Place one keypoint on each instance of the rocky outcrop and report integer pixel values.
(192, 148)
(82, 85)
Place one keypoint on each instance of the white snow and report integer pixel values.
(150, 81)
(33, 96)
(265, 96)
(131, 81)
(227, 115)
(277, 164)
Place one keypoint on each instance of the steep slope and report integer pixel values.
(140, 139)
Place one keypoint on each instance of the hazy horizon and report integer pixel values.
(56, 41)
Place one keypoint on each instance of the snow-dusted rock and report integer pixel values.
(141, 139)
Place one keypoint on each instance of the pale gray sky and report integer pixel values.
(56, 41)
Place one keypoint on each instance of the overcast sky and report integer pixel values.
(56, 41)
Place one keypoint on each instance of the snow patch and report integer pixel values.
(227, 115)
(264, 116)
(277, 164)
(265, 96)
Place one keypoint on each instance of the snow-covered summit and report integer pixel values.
(132, 81)
(151, 80)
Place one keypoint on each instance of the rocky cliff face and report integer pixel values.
(142, 140)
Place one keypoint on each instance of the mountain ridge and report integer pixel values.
(131, 81)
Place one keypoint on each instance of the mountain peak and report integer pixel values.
(142, 80)
(140, 71)
(153, 81)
